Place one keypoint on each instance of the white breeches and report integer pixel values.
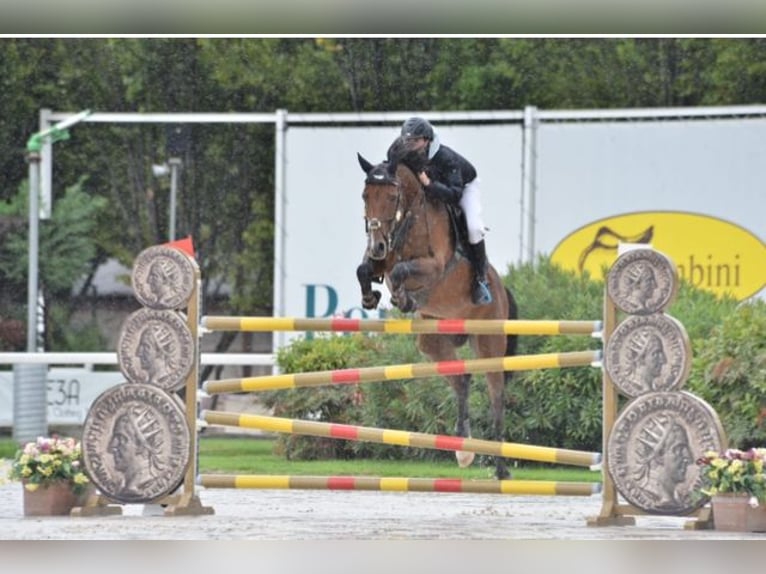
(470, 203)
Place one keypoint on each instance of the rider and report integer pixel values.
(449, 177)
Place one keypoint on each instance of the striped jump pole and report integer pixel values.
(431, 326)
(407, 371)
(403, 438)
(533, 487)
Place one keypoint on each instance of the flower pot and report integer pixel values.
(56, 499)
(732, 512)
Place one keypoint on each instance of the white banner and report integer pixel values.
(71, 391)
(584, 171)
(325, 213)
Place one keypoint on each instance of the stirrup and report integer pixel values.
(481, 294)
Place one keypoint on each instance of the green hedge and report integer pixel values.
(729, 372)
(554, 407)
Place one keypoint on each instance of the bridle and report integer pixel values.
(402, 219)
(396, 227)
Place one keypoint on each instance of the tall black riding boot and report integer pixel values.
(480, 293)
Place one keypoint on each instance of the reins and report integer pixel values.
(399, 232)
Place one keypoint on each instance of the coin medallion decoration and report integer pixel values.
(163, 278)
(642, 281)
(156, 347)
(653, 448)
(136, 443)
(648, 353)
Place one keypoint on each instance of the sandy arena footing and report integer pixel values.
(358, 515)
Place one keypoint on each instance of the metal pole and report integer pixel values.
(34, 219)
(175, 164)
(46, 169)
(280, 224)
(30, 416)
(529, 185)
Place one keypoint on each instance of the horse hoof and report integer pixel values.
(502, 473)
(371, 301)
(464, 459)
(407, 304)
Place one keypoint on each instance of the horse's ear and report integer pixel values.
(366, 165)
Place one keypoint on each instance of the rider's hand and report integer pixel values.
(423, 177)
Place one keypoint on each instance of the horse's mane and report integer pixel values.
(414, 190)
(409, 179)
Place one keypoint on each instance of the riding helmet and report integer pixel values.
(417, 128)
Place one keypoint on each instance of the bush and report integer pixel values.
(555, 407)
(331, 403)
(422, 405)
(729, 372)
(700, 311)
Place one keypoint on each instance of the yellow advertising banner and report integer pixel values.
(710, 253)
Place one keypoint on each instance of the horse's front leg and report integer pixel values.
(365, 274)
(400, 274)
(410, 276)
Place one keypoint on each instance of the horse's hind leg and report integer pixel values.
(493, 346)
(461, 384)
(442, 348)
(496, 388)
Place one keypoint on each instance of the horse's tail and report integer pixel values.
(511, 341)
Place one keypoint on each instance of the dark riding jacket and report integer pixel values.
(449, 173)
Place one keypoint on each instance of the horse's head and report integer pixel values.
(383, 206)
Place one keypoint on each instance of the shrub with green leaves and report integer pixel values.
(422, 405)
(555, 407)
(331, 403)
(729, 372)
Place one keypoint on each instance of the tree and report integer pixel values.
(227, 179)
(66, 250)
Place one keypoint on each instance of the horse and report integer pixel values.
(412, 245)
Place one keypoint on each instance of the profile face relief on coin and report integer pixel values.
(156, 347)
(136, 443)
(642, 282)
(648, 353)
(653, 448)
(163, 278)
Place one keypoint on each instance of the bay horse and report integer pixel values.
(411, 245)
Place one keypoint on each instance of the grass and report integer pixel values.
(238, 455)
(8, 447)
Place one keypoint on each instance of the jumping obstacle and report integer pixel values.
(407, 371)
(404, 438)
(394, 372)
(431, 326)
(455, 485)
